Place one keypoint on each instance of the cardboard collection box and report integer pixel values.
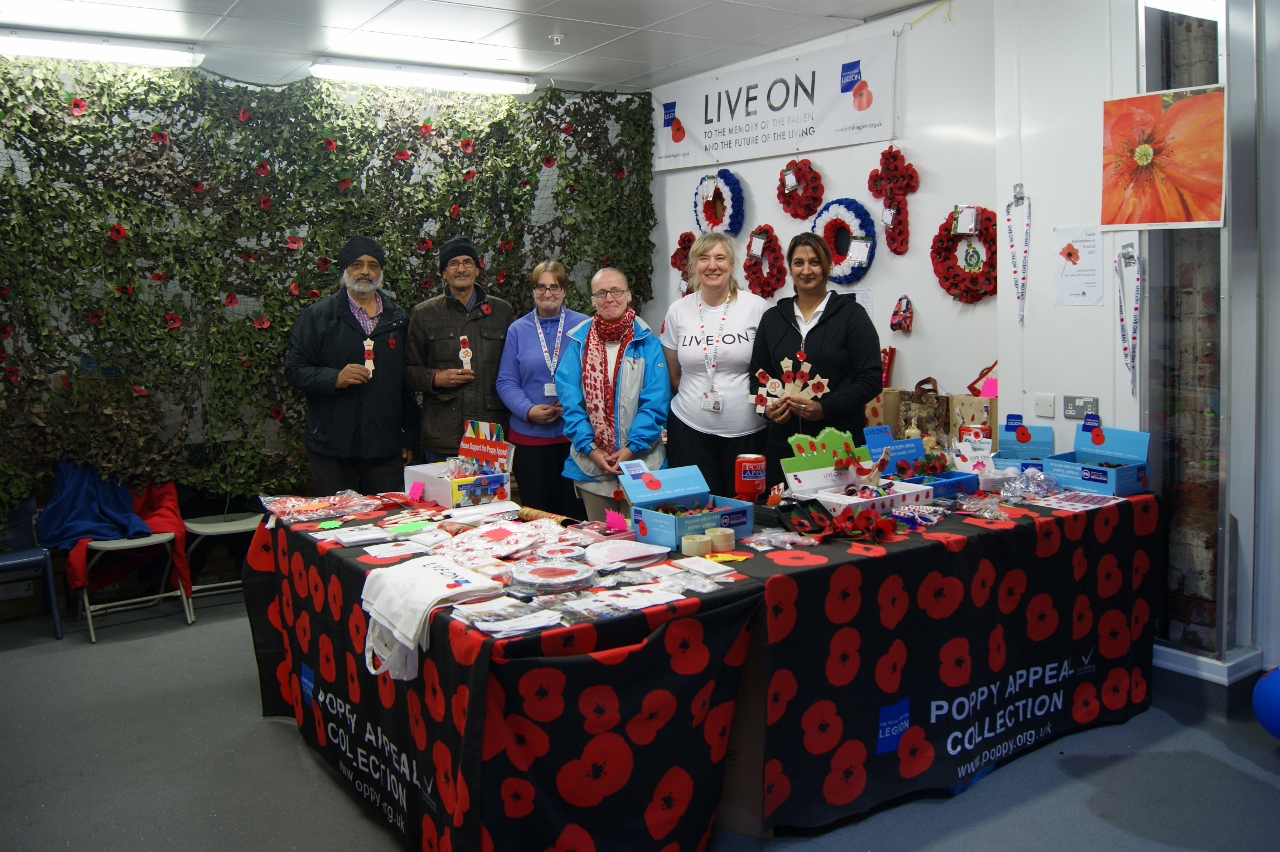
(1024, 446)
(904, 494)
(680, 486)
(949, 483)
(481, 442)
(813, 467)
(1083, 469)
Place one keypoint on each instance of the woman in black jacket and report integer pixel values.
(837, 340)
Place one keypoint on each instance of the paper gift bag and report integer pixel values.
(925, 406)
(975, 416)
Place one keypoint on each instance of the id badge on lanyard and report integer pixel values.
(552, 359)
(712, 400)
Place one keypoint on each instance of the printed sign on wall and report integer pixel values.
(842, 95)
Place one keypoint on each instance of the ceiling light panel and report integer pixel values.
(440, 20)
(419, 76)
(97, 48)
(633, 14)
(82, 17)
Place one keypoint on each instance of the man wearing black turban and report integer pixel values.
(347, 354)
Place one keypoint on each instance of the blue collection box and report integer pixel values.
(1082, 470)
(1023, 446)
(680, 486)
(949, 483)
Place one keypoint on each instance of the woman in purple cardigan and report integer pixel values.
(534, 346)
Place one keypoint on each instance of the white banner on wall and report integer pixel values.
(842, 95)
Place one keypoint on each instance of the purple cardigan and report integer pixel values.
(523, 370)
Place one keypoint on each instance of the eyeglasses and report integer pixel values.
(602, 295)
(361, 265)
(547, 288)
(460, 263)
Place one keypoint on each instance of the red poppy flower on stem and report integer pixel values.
(548, 162)
(196, 186)
(567, 130)
(322, 263)
(620, 173)
(467, 146)
(245, 362)
(315, 294)
(159, 276)
(293, 242)
(293, 289)
(11, 373)
(139, 390)
(265, 202)
(6, 331)
(469, 174)
(424, 245)
(261, 322)
(276, 412)
(117, 232)
(95, 317)
(78, 106)
(328, 144)
(344, 184)
(524, 183)
(501, 276)
(402, 155)
(424, 129)
(243, 114)
(263, 169)
(454, 210)
(172, 320)
(126, 289)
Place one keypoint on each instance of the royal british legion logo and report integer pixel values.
(850, 75)
(668, 114)
(894, 720)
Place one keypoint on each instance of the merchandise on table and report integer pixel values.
(551, 578)
(678, 489)
(290, 509)
(1110, 461)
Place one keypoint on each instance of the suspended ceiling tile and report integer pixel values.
(730, 21)
(253, 66)
(803, 32)
(440, 20)
(659, 48)
(509, 5)
(639, 13)
(807, 8)
(875, 8)
(429, 51)
(64, 16)
(533, 32)
(661, 77)
(343, 14)
(271, 37)
(596, 70)
(721, 58)
(201, 7)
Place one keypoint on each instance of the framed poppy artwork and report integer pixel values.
(1162, 159)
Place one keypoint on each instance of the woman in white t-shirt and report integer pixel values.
(708, 336)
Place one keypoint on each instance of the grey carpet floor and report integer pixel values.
(153, 739)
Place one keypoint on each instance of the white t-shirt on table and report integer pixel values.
(681, 331)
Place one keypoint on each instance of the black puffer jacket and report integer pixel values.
(373, 420)
(842, 347)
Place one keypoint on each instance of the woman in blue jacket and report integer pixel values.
(535, 346)
(614, 389)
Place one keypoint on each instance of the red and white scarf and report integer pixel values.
(597, 382)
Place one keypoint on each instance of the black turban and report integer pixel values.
(357, 247)
(457, 247)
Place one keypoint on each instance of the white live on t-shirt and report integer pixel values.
(680, 331)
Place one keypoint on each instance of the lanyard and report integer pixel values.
(1019, 275)
(551, 359)
(709, 358)
(1125, 261)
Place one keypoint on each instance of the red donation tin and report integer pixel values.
(748, 474)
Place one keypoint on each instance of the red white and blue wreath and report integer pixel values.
(843, 224)
(718, 204)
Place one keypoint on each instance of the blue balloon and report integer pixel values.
(1266, 702)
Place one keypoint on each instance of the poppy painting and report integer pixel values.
(1162, 159)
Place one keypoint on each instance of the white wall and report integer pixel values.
(1054, 65)
(945, 126)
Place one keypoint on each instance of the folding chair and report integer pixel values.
(115, 546)
(26, 560)
(207, 527)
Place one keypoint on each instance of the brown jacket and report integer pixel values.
(434, 330)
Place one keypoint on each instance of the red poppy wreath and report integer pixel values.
(680, 257)
(802, 201)
(973, 278)
(764, 282)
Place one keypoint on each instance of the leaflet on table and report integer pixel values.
(702, 565)
(394, 548)
(363, 534)
(879, 437)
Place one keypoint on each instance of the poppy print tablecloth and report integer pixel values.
(600, 736)
(922, 662)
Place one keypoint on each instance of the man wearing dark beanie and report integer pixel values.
(455, 345)
(347, 354)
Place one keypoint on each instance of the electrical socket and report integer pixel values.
(1044, 405)
(1076, 407)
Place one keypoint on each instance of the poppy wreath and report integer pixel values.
(680, 257)
(716, 211)
(845, 214)
(761, 282)
(891, 183)
(803, 201)
(965, 286)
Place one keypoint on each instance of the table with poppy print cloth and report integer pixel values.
(921, 663)
(601, 736)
